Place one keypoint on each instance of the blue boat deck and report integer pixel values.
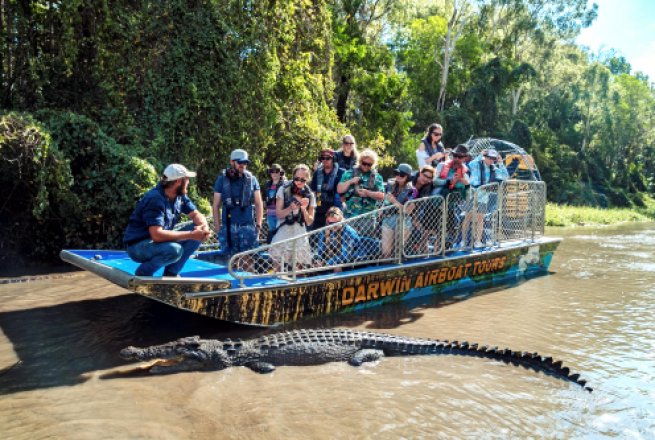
(197, 268)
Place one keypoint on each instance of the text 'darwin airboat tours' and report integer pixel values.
(441, 245)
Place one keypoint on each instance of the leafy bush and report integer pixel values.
(79, 184)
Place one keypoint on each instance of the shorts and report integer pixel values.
(390, 222)
(244, 238)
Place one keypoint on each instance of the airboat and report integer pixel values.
(436, 255)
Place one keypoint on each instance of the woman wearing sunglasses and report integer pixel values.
(294, 210)
(276, 174)
(337, 244)
(431, 150)
(398, 193)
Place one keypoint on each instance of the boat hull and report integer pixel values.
(350, 291)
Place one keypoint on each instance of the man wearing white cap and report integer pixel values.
(149, 237)
(236, 190)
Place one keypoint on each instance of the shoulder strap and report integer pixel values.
(227, 191)
(483, 178)
(370, 183)
(445, 169)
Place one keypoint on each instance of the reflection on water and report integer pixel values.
(60, 337)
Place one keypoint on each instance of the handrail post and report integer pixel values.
(401, 240)
(444, 224)
(473, 218)
(293, 261)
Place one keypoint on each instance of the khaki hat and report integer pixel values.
(176, 171)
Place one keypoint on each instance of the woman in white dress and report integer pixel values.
(294, 210)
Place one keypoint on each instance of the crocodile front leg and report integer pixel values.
(366, 355)
(261, 367)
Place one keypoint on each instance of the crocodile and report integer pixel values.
(317, 347)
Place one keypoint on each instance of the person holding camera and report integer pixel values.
(486, 169)
(276, 173)
(324, 184)
(431, 150)
(295, 206)
(363, 187)
(237, 190)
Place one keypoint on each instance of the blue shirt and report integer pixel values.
(239, 215)
(476, 178)
(155, 209)
(350, 242)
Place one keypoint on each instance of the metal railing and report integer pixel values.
(366, 239)
(521, 210)
(212, 241)
(425, 218)
(428, 227)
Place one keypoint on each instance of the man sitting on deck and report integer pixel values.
(149, 237)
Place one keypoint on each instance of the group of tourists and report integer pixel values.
(344, 184)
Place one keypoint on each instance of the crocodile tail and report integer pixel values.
(402, 346)
(526, 359)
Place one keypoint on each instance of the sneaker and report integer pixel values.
(479, 244)
(171, 274)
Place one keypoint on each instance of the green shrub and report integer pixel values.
(79, 184)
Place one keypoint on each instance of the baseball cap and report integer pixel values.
(239, 156)
(327, 152)
(492, 154)
(404, 168)
(176, 171)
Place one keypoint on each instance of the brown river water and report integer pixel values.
(61, 377)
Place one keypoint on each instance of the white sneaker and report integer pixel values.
(479, 244)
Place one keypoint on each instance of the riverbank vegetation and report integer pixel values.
(113, 90)
(564, 215)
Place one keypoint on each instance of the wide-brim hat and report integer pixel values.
(461, 149)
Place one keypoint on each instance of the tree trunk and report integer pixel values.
(449, 48)
(51, 26)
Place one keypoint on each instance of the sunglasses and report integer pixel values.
(367, 164)
(429, 176)
(459, 156)
(273, 171)
(348, 143)
(400, 174)
(434, 133)
(299, 179)
(326, 158)
(331, 223)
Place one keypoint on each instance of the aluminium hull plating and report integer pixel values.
(349, 291)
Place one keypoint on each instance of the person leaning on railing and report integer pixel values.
(399, 192)
(487, 168)
(362, 187)
(294, 210)
(337, 244)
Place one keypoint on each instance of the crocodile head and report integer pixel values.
(185, 354)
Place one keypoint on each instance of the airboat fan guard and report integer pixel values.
(516, 159)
